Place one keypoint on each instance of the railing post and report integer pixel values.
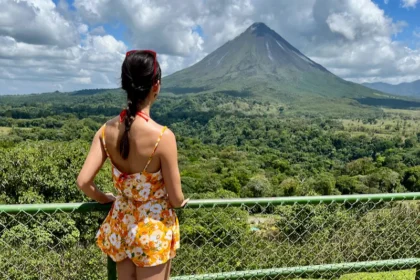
(112, 269)
(417, 272)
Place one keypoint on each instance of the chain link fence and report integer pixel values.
(332, 237)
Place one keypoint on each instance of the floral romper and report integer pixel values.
(141, 224)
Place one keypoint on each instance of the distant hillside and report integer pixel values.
(259, 62)
(405, 89)
(92, 91)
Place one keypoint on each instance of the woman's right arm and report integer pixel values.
(94, 162)
(170, 170)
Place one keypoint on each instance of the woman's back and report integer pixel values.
(136, 185)
(143, 138)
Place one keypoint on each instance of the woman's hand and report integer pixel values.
(184, 203)
(109, 197)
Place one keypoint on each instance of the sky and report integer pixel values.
(66, 45)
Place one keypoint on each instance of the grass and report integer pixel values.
(389, 127)
(415, 114)
(5, 130)
(391, 275)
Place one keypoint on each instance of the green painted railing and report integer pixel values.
(212, 203)
(249, 204)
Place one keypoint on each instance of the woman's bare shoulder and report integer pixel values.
(159, 128)
(114, 122)
(167, 138)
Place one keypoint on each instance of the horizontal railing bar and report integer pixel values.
(54, 207)
(210, 203)
(308, 270)
(290, 200)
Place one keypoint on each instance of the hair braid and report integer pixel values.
(137, 81)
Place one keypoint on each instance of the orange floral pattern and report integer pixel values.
(141, 224)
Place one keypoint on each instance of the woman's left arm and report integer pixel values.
(91, 167)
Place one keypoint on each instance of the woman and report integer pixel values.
(141, 232)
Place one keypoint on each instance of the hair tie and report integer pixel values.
(122, 115)
(139, 88)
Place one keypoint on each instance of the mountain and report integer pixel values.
(259, 62)
(407, 89)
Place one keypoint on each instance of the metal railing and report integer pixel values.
(281, 238)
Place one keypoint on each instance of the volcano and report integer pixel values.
(261, 63)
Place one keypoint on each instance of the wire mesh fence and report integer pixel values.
(281, 238)
(50, 245)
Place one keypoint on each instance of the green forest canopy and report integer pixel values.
(249, 147)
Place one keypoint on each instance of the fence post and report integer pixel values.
(112, 269)
(417, 272)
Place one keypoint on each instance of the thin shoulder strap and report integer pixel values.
(154, 149)
(103, 140)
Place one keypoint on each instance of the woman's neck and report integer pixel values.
(145, 110)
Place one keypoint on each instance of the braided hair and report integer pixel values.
(136, 80)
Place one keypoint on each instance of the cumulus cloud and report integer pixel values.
(48, 51)
(36, 22)
(410, 3)
(364, 49)
(99, 30)
(92, 63)
(416, 32)
(165, 24)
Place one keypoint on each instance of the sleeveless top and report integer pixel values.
(141, 224)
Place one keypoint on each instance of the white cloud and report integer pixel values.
(82, 80)
(59, 56)
(410, 3)
(166, 25)
(98, 31)
(36, 22)
(32, 68)
(169, 27)
(105, 45)
(82, 28)
(364, 48)
(342, 23)
(223, 20)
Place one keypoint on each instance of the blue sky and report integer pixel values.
(410, 15)
(76, 44)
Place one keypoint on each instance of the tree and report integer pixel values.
(410, 142)
(290, 187)
(324, 184)
(362, 166)
(411, 179)
(258, 186)
(385, 180)
(231, 184)
(350, 185)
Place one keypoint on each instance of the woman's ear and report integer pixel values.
(156, 87)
